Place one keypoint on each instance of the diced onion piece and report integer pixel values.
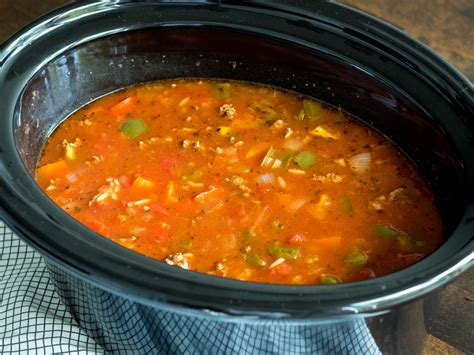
(278, 124)
(196, 185)
(293, 144)
(135, 230)
(212, 204)
(322, 132)
(184, 101)
(266, 179)
(206, 195)
(139, 202)
(296, 204)
(281, 182)
(71, 177)
(360, 162)
(230, 155)
(260, 219)
(277, 262)
(296, 171)
(276, 164)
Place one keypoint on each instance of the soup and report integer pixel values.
(241, 181)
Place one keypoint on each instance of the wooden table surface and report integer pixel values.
(447, 26)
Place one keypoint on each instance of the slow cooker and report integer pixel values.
(133, 304)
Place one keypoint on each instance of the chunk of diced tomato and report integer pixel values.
(102, 145)
(219, 162)
(188, 207)
(329, 243)
(409, 259)
(283, 269)
(124, 106)
(161, 235)
(238, 211)
(170, 162)
(296, 239)
(364, 274)
(159, 210)
(125, 181)
(96, 226)
(284, 199)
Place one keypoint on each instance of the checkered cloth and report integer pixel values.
(33, 320)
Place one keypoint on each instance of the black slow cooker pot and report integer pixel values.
(132, 304)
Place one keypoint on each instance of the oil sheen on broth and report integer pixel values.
(241, 181)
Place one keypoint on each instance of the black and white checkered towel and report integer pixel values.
(33, 320)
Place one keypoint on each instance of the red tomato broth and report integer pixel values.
(241, 181)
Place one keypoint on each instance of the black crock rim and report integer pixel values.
(154, 283)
